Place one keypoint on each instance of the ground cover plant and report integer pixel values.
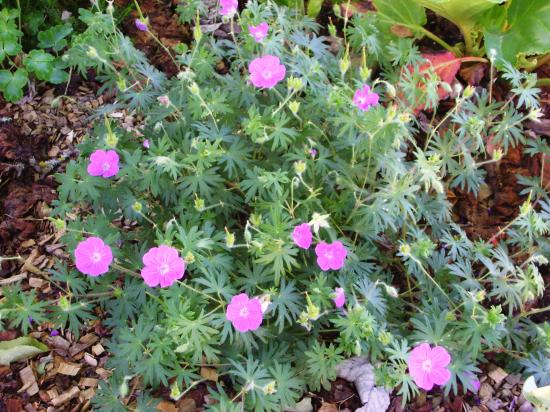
(288, 208)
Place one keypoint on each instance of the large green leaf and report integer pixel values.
(461, 12)
(40, 63)
(406, 13)
(54, 37)
(12, 84)
(20, 349)
(519, 31)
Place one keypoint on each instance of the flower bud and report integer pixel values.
(92, 52)
(468, 92)
(294, 83)
(405, 249)
(199, 204)
(390, 290)
(137, 207)
(364, 73)
(344, 64)
(189, 257)
(164, 100)
(194, 88)
(197, 33)
(497, 154)
(270, 388)
(111, 139)
(64, 304)
(299, 167)
(294, 106)
(175, 392)
(229, 238)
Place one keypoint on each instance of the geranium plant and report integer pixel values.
(278, 210)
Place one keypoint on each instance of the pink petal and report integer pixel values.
(423, 381)
(440, 376)
(150, 276)
(440, 357)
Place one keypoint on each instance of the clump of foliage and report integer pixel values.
(497, 28)
(224, 172)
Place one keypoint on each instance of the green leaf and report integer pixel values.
(463, 13)
(20, 349)
(40, 63)
(519, 31)
(406, 13)
(314, 7)
(9, 46)
(12, 84)
(54, 37)
(59, 75)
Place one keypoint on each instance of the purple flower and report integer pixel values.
(146, 144)
(331, 255)
(364, 99)
(259, 32)
(266, 71)
(339, 297)
(103, 163)
(428, 366)
(228, 7)
(93, 256)
(245, 314)
(302, 236)
(474, 381)
(54, 332)
(162, 266)
(313, 152)
(140, 25)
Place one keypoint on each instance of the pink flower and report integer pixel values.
(266, 71)
(164, 100)
(331, 255)
(313, 152)
(259, 32)
(163, 266)
(140, 25)
(103, 163)
(93, 256)
(364, 99)
(302, 236)
(474, 381)
(428, 366)
(339, 297)
(146, 144)
(245, 314)
(228, 7)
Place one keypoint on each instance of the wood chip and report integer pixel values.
(69, 369)
(28, 243)
(36, 283)
(103, 373)
(58, 342)
(209, 374)
(66, 396)
(88, 382)
(13, 279)
(187, 405)
(498, 375)
(85, 342)
(90, 360)
(29, 381)
(165, 406)
(98, 349)
(87, 394)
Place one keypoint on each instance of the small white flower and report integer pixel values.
(318, 221)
